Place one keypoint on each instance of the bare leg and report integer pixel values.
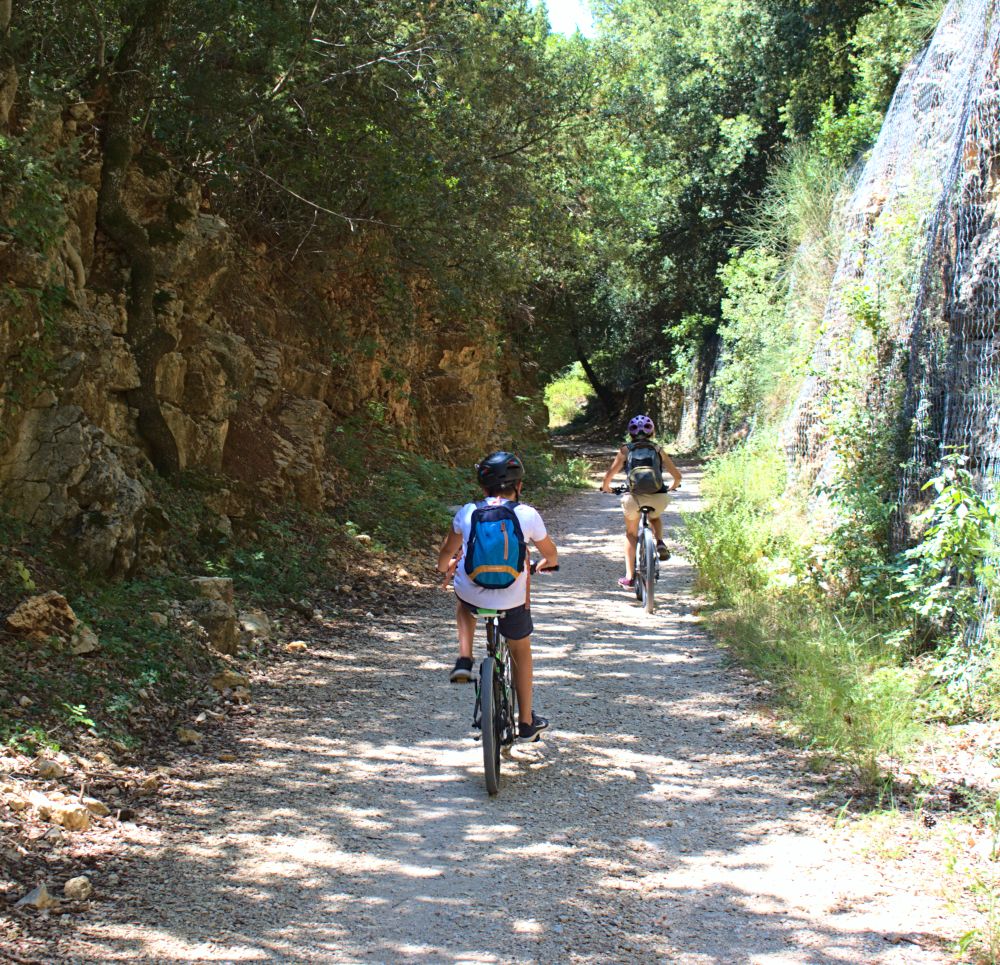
(657, 525)
(631, 540)
(466, 630)
(520, 658)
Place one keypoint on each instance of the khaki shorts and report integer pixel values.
(657, 501)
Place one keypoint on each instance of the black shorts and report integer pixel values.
(515, 623)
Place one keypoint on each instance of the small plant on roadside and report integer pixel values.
(940, 577)
(982, 943)
(941, 582)
(734, 542)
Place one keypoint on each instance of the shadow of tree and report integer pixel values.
(654, 824)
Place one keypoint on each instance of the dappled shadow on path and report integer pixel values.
(655, 823)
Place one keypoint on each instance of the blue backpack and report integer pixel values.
(495, 552)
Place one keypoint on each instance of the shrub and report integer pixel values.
(732, 542)
(943, 581)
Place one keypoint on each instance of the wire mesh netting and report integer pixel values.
(914, 294)
(910, 325)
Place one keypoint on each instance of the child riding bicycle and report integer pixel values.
(644, 461)
(502, 524)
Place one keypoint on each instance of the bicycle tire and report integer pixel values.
(638, 584)
(510, 703)
(649, 575)
(490, 710)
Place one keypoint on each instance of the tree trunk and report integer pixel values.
(129, 90)
(8, 70)
(604, 394)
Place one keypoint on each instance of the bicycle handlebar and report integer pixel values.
(548, 569)
(621, 490)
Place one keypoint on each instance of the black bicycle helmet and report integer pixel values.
(499, 470)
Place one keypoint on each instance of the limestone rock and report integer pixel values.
(159, 619)
(149, 786)
(49, 770)
(229, 680)
(188, 736)
(215, 612)
(42, 805)
(81, 112)
(256, 623)
(39, 898)
(218, 619)
(243, 389)
(84, 641)
(43, 616)
(78, 889)
(73, 817)
(97, 808)
(62, 473)
(214, 588)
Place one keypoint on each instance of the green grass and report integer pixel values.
(840, 690)
(567, 396)
(830, 668)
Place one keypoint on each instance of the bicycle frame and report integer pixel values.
(496, 648)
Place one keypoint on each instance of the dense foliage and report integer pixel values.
(604, 182)
(428, 125)
(627, 203)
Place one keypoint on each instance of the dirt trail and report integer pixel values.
(660, 821)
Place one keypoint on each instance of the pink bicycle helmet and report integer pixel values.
(641, 425)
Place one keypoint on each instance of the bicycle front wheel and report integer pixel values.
(649, 571)
(490, 708)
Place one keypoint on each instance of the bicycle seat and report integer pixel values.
(483, 612)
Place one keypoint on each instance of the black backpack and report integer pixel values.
(643, 468)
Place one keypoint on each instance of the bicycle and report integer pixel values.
(647, 561)
(494, 711)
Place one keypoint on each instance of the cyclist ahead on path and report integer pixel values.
(644, 461)
(493, 573)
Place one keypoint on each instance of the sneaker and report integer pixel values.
(627, 583)
(462, 674)
(661, 551)
(527, 733)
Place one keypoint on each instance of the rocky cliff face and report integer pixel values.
(276, 363)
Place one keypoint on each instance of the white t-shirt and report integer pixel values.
(514, 595)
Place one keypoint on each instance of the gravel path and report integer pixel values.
(660, 821)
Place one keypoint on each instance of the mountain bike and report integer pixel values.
(647, 561)
(495, 708)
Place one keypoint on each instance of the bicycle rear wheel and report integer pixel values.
(649, 571)
(637, 579)
(489, 702)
